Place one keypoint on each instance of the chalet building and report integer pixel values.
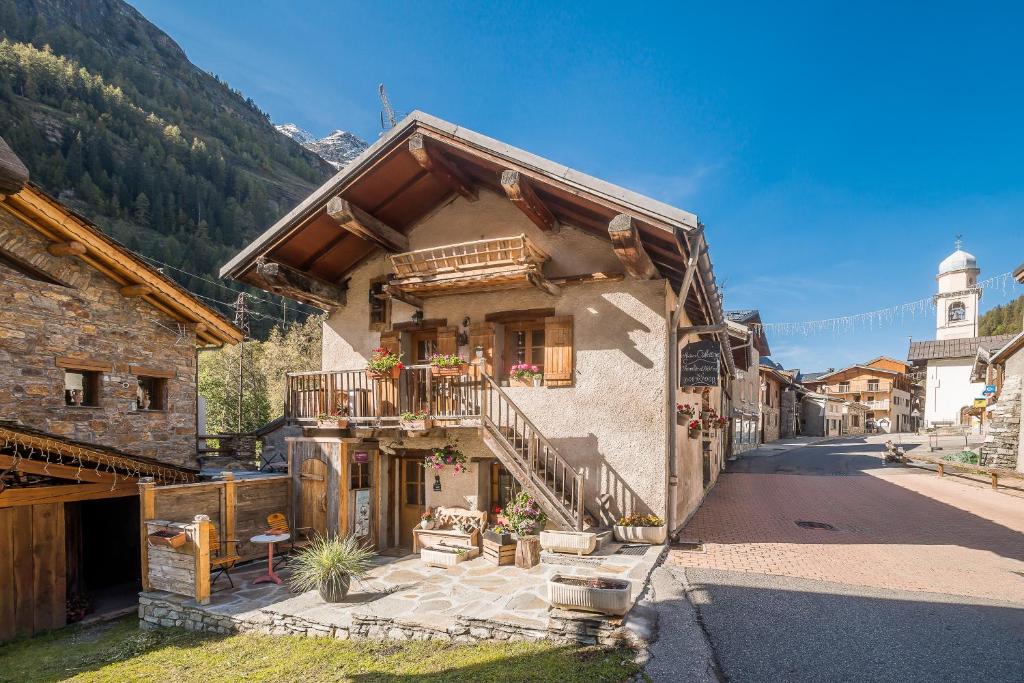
(440, 240)
(749, 344)
(1003, 370)
(947, 361)
(97, 389)
(881, 385)
(778, 403)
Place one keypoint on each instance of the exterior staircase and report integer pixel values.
(538, 467)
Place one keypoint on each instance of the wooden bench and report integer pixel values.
(444, 531)
(993, 472)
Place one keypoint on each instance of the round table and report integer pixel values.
(270, 540)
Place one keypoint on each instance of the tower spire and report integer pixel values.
(959, 240)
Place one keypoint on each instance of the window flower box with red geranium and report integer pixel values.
(384, 364)
(447, 365)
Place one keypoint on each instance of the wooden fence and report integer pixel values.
(236, 510)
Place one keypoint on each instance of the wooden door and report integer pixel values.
(412, 500)
(313, 495)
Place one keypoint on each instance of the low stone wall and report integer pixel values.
(165, 610)
(1001, 446)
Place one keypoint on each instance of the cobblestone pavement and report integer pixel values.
(894, 527)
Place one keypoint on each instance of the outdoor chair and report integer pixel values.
(220, 564)
(277, 523)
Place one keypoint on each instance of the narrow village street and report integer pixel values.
(918, 578)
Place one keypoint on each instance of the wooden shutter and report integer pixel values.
(392, 341)
(558, 368)
(482, 334)
(446, 340)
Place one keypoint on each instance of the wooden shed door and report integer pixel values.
(313, 495)
(413, 498)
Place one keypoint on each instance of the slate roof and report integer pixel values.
(955, 348)
(811, 376)
(743, 316)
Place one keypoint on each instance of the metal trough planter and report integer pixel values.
(577, 542)
(590, 594)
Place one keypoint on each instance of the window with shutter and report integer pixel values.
(391, 341)
(447, 343)
(558, 351)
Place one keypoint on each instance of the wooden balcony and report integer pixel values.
(480, 266)
(371, 401)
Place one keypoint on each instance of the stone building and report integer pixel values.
(439, 240)
(778, 403)
(95, 345)
(749, 344)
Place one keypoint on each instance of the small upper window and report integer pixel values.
(957, 312)
(359, 475)
(81, 387)
(151, 393)
(380, 306)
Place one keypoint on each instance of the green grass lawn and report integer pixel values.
(119, 651)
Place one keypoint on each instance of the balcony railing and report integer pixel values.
(857, 388)
(365, 399)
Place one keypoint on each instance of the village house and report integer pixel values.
(948, 361)
(749, 344)
(778, 403)
(439, 240)
(97, 389)
(881, 385)
(855, 416)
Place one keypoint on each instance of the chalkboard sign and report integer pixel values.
(699, 364)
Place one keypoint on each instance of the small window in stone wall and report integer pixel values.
(81, 387)
(151, 393)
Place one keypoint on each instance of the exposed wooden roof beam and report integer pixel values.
(135, 290)
(295, 284)
(543, 284)
(86, 473)
(350, 217)
(629, 249)
(519, 192)
(37, 495)
(66, 249)
(404, 297)
(433, 161)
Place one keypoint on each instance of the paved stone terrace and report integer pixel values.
(403, 599)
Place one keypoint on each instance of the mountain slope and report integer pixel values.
(1005, 319)
(108, 114)
(338, 149)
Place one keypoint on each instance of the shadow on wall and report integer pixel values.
(609, 328)
(615, 497)
(810, 634)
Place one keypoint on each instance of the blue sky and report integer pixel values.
(832, 152)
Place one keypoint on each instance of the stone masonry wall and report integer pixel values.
(1001, 445)
(90, 320)
(165, 610)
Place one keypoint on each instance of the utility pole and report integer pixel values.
(242, 323)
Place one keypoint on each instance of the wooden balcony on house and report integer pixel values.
(479, 266)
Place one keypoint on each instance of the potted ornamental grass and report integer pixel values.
(524, 375)
(328, 565)
(637, 528)
(447, 365)
(415, 423)
(384, 364)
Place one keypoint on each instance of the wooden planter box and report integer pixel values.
(500, 553)
(443, 555)
(338, 423)
(590, 594)
(422, 426)
(653, 535)
(168, 538)
(499, 539)
(577, 542)
(522, 383)
(394, 374)
(456, 371)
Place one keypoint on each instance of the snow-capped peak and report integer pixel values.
(338, 148)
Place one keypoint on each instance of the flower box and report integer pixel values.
(590, 594)
(416, 425)
(454, 371)
(168, 538)
(443, 556)
(395, 373)
(333, 423)
(653, 535)
(504, 538)
(578, 542)
(523, 383)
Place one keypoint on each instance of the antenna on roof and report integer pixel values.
(387, 114)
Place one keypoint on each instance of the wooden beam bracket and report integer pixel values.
(360, 223)
(295, 284)
(434, 162)
(66, 249)
(630, 250)
(520, 193)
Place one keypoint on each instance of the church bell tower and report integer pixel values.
(956, 304)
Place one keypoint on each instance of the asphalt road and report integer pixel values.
(762, 627)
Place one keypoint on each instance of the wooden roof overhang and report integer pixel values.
(425, 162)
(75, 236)
(38, 467)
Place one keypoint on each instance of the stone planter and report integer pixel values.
(589, 594)
(444, 556)
(578, 542)
(456, 371)
(653, 535)
(335, 593)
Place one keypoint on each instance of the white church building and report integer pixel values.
(949, 391)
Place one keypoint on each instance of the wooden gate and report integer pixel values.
(313, 495)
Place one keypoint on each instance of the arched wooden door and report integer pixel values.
(313, 495)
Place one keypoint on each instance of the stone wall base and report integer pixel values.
(1001, 446)
(157, 612)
